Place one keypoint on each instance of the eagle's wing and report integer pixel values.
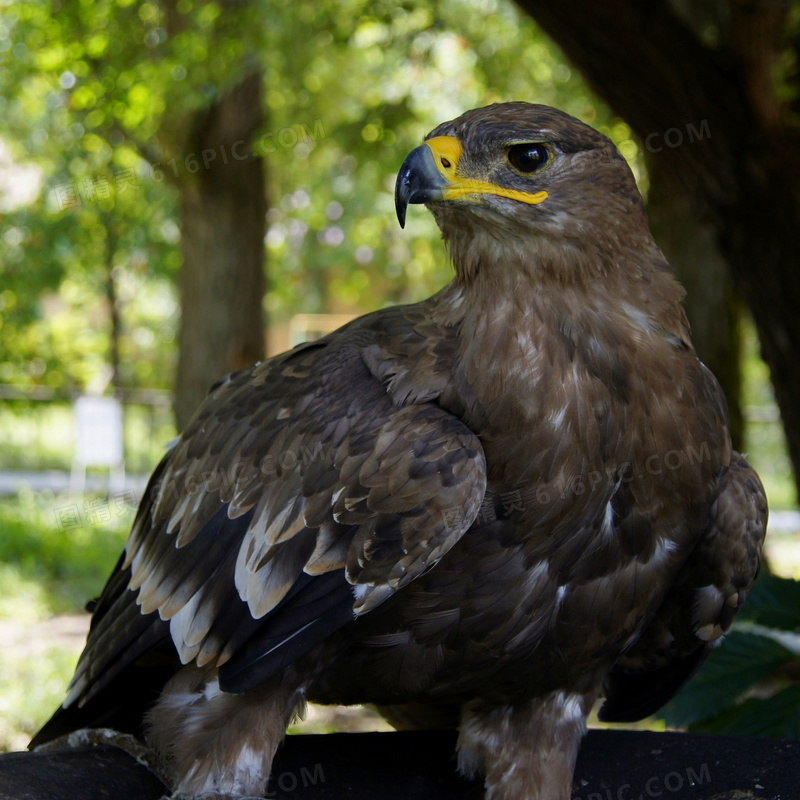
(300, 490)
(701, 605)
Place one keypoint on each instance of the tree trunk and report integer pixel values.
(711, 302)
(111, 242)
(223, 198)
(709, 116)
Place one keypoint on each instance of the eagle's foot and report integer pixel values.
(527, 751)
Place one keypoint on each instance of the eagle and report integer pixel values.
(484, 510)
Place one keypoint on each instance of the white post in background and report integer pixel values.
(98, 441)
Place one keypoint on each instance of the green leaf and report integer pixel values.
(774, 602)
(777, 716)
(740, 662)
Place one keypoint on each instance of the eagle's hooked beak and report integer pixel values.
(429, 173)
(422, 176)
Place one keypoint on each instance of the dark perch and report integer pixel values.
(612, 765)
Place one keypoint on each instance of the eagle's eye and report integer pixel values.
(527, 157)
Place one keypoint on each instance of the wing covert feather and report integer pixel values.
(298, 467)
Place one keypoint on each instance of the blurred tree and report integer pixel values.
(222, 192)
(352, 86)
(224, 209)
(93, 92)
(712, 304)
(56, 264)
(143, 118)
(712, 91)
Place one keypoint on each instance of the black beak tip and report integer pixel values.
(418, 181)
(402, 194)
(400, 206)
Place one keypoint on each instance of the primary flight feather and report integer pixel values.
(486, 509)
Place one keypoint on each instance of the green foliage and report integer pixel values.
(45, 571)
(96, 100)
(765, 440)
(56, 567)
(39, 436)
(34, 681)
(47, 568)
(372, 79)
(88, 93)
(777, 715)
(750, 685)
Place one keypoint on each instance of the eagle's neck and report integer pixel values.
(524, 321)
(617, 271)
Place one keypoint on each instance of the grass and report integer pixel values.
(34, 685)
(57, 561)
(46, 572)
(56, 552)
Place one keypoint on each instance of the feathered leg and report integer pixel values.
(217, 745)
(528, 751)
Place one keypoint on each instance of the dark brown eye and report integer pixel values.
(527, 157)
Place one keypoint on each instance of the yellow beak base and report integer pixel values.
(446, 151)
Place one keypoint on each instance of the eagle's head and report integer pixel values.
(517, 181)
